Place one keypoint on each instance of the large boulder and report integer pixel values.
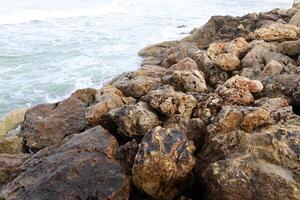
(106, 99)
(169, 102)
(10, 166)
(164, 163)
(277, 32)
(48, 124)
(83, 167)
(134, 120)
(11, 121)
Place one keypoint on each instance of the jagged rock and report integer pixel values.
(138, 86)
(238, 47)
(10, 166)
(272, 68)
(169, 102)
(87, 95)
(164, 163)
(81, 168)
(260, 165)
(185, 76)
(11, 121)
(126, 154)
(11, 143)
(254, 119)
(135, 120)
(106, 99)
(271, 104)
(48, 124)
(216, 49)
(237, 90)
(227, 62)
(290, 48)
(277, 32)
(149, 70)
(195, 129)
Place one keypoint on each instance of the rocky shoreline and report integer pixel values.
(212, 116)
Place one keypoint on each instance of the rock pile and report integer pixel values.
(212, 116)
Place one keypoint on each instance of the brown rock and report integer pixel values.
(164, 162)
(106, 98)
(48, 124)
(227, 62)
(169, 102)
(81, 168)
(11, 121)
(254, 119)
(149, 71)
(295, 20)
(135, 120)
(272, 68)
(290, 48)
(216, 49)
(272, 104)
(138, 86)
(87, 95)
(11, 143)
(10, 166)
(278, 32)
(238, 47)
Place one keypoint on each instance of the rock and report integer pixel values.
(238, 47)
(169, 102)
(185, 76)
(272, 68)
(295, 20)
(11, 121)
(126, 154)
(135, 120)
(138, 86)
(260, 165)
(227, 120)
(106, 99)
(227, 62)
(277, 32)
(153, 50)
(237, 90)
(290, 48)
(87, 95)
(216, 49)
(254, 119)
(81, 168)
(10, 166)
(149, 71)
(271, 104)
(48, 124)
(11, 143)
(194, 129)
(164, 163)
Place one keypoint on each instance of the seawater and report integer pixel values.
(48, 49)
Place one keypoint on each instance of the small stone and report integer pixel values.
(227, 62)
(164, 163)
(135, 120)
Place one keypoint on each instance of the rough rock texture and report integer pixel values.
(10, 166)
(106, 99)
(11, 121)
(81, 168)
(87, 95)
(48, 124)
(164, 162)
(11, 143)
(278, 32)
(227, 62)
(134, 120)
(170, 102)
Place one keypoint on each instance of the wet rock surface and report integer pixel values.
(82, 167)
(227, 98)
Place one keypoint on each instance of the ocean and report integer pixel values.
(48, 49)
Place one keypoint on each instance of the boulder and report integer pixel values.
(48, 124)
(83, 167)
(106, 99)
(238, 47)
(237, 90)
(149, 71)
(11, 143)
(277, 32)
(255, 118)
(290, 48)
(10, 166)
(137, 86)
(169, 102)
(295, 20)
(87, 95)
(261, 165)
(134, 120)
(272, 68)
(11, 121)
(216, 49)
(164, 163)
(227, 62)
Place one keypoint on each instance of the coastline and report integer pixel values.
(214, 115)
